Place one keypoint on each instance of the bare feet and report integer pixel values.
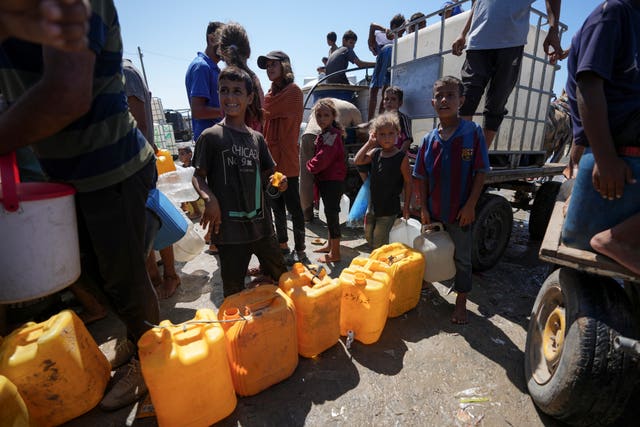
(322, 250)
(329, 258)
(460, 316)
(613, 245)
(168, 287)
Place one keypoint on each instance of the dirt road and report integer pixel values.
(421, 371)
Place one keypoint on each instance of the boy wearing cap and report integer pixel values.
(283, 115)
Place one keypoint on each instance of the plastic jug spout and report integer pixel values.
(298, 268)
(232, 313)
(360, 279)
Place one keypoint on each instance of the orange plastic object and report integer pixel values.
(277, 179)
(316, 298)
(13, 411)
(57, 367)
(186, 370)
(262, 344)
(164, 161)
(365, 299)
(407, 269)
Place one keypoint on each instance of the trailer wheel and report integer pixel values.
(572, 371)
(542, 208)
(491, 231)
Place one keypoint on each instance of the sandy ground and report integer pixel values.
(414, 375)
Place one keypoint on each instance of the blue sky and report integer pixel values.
(170, 33)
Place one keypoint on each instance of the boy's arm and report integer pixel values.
(363, 64)
(61, 96)
(212, 214)
(610, 172)
(63, 24)
(468, 212)
(363, 156)
(553, 38)
(461, 41)
(406, 176)
(425, 217)
(371, 41)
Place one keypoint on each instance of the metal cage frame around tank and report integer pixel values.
(533, 96)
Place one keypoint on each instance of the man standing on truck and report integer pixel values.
(340, 58)
(202, 84)
(497, 32)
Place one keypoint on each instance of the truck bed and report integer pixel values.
(514, 174)
(552, 250)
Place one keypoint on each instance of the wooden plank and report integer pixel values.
(551, 241)
(552, 250)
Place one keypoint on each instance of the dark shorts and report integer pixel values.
(234, 261)
(495, 70)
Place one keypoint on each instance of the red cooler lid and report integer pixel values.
(12, 191)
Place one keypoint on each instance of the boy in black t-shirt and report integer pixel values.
(232, 162)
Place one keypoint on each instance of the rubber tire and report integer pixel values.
(491, 231)
(592, 382)
(542, 208)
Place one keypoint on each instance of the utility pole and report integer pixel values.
(144, 73)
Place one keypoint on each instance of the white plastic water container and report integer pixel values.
(344, 210)
(438, 248)
(190, 246)
(405, 231)
(177, 185)
(41, 254)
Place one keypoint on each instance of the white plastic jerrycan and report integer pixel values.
(345, 202)
(405, 231)
(437, 247)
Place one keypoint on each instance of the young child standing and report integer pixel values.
(389, 175)
(329, 167)
(232, 164)
(452, 163)
(391, 102)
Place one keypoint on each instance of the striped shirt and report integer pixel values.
(450, 167)
(103, 147)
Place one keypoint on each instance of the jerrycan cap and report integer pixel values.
(360, 278)
(298, 268)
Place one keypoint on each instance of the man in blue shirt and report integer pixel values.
(202, 84)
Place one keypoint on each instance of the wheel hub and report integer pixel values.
(553, 336)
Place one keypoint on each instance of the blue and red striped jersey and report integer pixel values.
(450, 167)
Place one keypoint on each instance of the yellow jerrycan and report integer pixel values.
(164, 161)
(186, 370)
(365, 299)
(407, 270)
(260, 332)
(13, 411)
(438, 249)
(316, 298)
(57, 367)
